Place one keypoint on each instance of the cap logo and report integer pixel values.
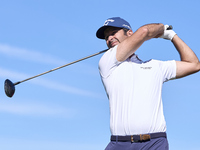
(107, 21)
(124, 25)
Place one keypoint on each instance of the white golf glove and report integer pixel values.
(168, 34)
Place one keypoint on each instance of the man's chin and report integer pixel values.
(112, 45)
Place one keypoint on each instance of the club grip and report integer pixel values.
(170, 27)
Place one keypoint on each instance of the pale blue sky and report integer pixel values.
(68, 108)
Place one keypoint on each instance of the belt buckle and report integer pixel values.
(145, 137)
(132, 140)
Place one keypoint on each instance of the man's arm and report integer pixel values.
(127, 47)
(189, 63)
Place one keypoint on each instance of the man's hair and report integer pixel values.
(125, 31)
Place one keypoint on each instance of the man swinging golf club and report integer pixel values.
(134, 86)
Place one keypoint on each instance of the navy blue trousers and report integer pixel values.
(154, 144)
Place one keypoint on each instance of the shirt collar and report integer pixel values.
(134, 58)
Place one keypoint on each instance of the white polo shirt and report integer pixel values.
(134, 90)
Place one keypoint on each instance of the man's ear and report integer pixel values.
(129, 32)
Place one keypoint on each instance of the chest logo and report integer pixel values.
(145, 67)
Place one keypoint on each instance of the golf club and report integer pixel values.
(9, 86)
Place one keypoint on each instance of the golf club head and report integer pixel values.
(9, 88)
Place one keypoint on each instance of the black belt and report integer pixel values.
(138, 138)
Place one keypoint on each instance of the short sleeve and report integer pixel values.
(108, 62)
(168, 69)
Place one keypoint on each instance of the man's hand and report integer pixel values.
(168, 34)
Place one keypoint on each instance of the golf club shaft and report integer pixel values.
(169, 28)
(60, 67)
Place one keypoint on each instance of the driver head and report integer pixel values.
(9, 88)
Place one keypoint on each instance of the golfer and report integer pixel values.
(134, 86)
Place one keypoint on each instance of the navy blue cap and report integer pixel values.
(112, 22)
